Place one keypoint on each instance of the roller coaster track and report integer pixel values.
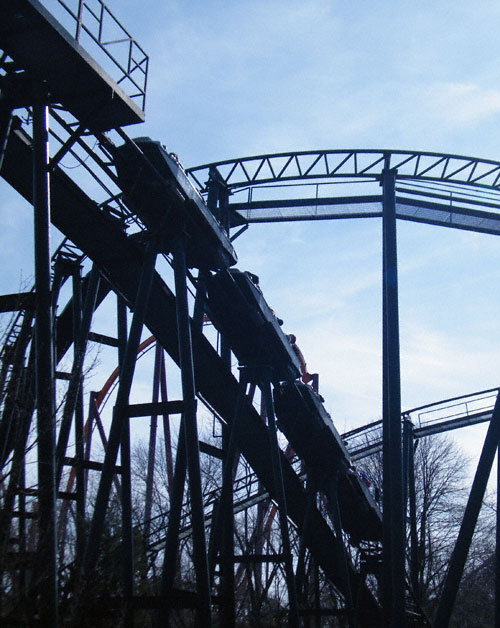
(100, 236)
(353, 164)
(95, 229)
(440, 189)
(102, 224)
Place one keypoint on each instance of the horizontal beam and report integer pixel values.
(17, 301)
(452, 213)
(154, 409)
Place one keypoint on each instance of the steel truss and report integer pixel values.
(241, 530)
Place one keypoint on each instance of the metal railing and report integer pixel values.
(443, 415)
(454, 408)
(92, 21)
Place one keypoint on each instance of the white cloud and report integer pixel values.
(458, 104)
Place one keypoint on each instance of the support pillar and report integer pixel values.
(218, 198)
(394, 524)
(462, 545)
(191, 432)
(5, 126)
(497, 547)
(153, 428)
(223, 522)
(343, 560)
(81, 327)
(47, 543)
(116, 437)
(412, 512)
(293, 620)
(125, 380)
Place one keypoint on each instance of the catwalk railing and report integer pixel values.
(434, 418)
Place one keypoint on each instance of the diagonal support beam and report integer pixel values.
(115, 434)
(474, 503)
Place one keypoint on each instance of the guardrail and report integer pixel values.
(432, 418)
(453, 408)
(90, 22)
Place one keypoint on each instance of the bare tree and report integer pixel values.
(441, 472)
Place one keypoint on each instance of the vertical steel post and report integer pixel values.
(47, 542)
(462, 545)
(317, 596)
(412, 506)
(126, 465)
(387, 540)
(218, 198)
(199, 304)
(79, 19)
(166, 426)
(394, 525)
(337, 525)
(79, 347)
(497, 547)
(227, 536)
(153, 427)
(22, 537)
(406, 462)
(5, 126)
(223, 522)
(300, 574)
(281, 499)
(115, 433)
(191, 431)
(172, 538)
(81, 327)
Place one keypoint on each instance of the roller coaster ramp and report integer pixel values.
(120, 259)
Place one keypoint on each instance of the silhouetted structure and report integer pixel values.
(294, 532)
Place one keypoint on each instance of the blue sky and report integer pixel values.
(231, 79)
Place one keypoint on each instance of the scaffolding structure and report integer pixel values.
(268, 523)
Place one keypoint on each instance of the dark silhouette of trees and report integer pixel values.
(442, 483)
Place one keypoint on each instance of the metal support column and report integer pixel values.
(412, 512)
(79, 349)
(47, 542)
(462, 545)
(394, 524)
(153, 428)
(5, 126)
(126, 465)
(119, 418)
(300, 574)
(218, 198)
(80, 331)
(281, 499)
(167, 440)
(406, 429)
(174, 518)
(497, 547)
(191, 432)
(337, 524)
(226, 544)
(223, 522)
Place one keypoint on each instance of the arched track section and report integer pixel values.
(359, 163)
(448, 190)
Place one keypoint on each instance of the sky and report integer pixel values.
(231, 79)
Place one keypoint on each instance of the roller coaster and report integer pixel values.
(270, 523)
